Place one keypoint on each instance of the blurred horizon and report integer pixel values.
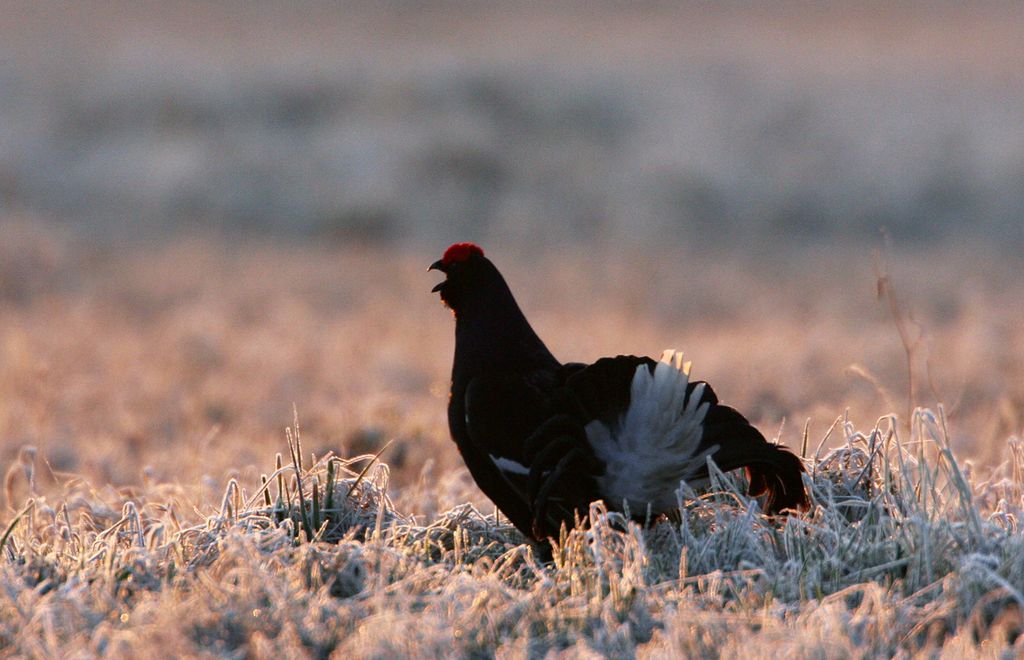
(410, 123)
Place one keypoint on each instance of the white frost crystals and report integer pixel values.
(655, 444)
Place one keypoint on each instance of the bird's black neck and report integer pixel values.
(491, 333)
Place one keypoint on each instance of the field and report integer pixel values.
(146, 392)
(215, 222)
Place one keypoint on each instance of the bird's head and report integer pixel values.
(465, 267)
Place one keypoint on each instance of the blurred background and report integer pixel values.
(572, 121)
(210, 211)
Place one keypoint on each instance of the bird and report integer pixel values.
(544, 439)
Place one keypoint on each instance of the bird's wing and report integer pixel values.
(514, 427)
(501, 411)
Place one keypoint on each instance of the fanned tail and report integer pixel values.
(652, 427)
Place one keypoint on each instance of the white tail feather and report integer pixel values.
(654, 445)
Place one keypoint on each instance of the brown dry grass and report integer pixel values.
(181, 361)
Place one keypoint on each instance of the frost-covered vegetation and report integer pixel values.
(905, 549)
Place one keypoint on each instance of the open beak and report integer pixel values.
(437, 265)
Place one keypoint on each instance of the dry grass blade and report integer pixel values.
(14, 523)
(366, 468)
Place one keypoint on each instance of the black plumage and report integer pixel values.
(544, 439)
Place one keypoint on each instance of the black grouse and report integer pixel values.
(544, 439)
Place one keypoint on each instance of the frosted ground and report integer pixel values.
(903, 552)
